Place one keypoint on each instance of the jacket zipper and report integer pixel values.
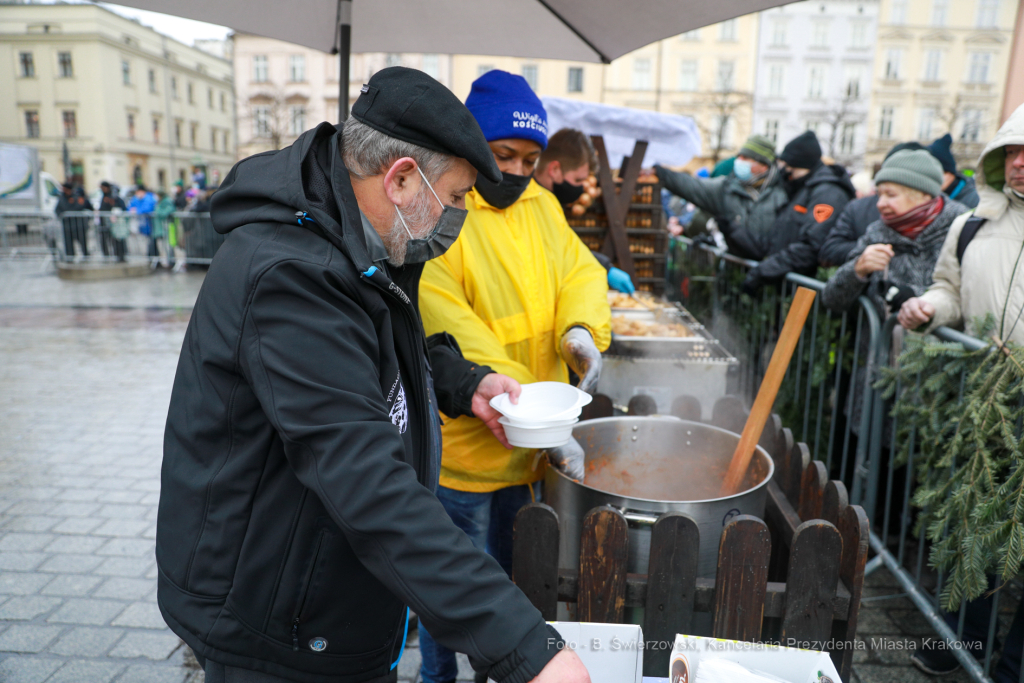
(305, 591)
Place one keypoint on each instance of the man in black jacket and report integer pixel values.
(818, 192)
(297, 523)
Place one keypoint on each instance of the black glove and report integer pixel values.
(895, 295)
(752, 283)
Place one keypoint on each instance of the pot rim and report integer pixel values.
(673, 419)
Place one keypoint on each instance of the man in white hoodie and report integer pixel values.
(981, 267)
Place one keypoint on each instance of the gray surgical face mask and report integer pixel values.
(441, 238)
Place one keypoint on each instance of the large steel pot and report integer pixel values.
(645, 466)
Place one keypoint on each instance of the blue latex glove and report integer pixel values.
(619, 279)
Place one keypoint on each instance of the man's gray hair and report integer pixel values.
(368, 152)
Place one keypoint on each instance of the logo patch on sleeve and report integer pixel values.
(822, 212)
(400, 411)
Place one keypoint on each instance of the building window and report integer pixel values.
(131, 126)
(575, 79)
(724, 81)
(691, 36)
(174, 87)
(28, 65)
(727, 31)
(393, 59)
(819, 34)
(261, 121)
(161, 178)
(932, 65)
(432, 66)
(778, 33)
(898, 12)
(177, 133)
(481, 69)
(31, 123)
(776, 80)
(213, 139)
(209, 98)
(892, 64)
(925, 123)
(152, 81)
(225, 146)
(971, 129)
(126, 72)
(859, 34)
(854, 76)
(848, 138)
(297, 68)
(885, 123)
(988, 13)
(688, 75)
(815, 81)
(223, 102)
(771, 130)
(642, 73)
(191, 93)
(812, 126)
(64, 66)
(193, 131)
(156, 130)
(977, 71)
(529, 72)
(70, 123)
(940, 12)
(723, 130)
(296, 120)
(259, 68)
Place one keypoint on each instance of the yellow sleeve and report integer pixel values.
(445, 308)
(583, 292)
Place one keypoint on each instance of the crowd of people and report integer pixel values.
(162, 221)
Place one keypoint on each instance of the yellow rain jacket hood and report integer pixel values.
(508, 289)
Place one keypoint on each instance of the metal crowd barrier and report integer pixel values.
(111, 236)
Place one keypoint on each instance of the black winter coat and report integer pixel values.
(297, 522)
(853, 221)
(793, 243)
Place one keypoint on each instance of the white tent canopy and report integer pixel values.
(578, 30)
(674, 139)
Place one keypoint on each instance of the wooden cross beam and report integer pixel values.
(616, 201)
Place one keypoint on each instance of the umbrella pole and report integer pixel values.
(344, 56)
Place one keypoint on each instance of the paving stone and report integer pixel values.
(82, 545)
(152, 645)
(125, 566)
(122, 527)
(125, 588)
(156, 674)
(20, 669)
(77, 495)
(69, 564)
(121, 497)
(77, 671)
(22, 583)
(24, 542)
(86, 611)
(21, 561)
(141, 615)
(71, 585)
(30, 523)
(128, 547)
(74, 509)
(86, 641)
(77, 525)
(27, 637)
(26, 608)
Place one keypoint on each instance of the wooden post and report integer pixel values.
(535, 557)
(742, 579)
(616, 202)
(671, 586)
(811, 584)
(812, 488)
(854, 528)
(834, 501)
(604, 549)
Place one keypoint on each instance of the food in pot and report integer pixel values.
(625, 327)
(641, 301)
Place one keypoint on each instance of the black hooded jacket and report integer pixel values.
(793, 243)
(297, 520)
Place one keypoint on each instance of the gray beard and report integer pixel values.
(420, 219)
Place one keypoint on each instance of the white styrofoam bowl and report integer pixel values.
(543, 402)
(528, 424)
(537, 437)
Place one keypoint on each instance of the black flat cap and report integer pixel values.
(409, 105)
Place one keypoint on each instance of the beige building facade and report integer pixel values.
(129, 104)
(940, 66)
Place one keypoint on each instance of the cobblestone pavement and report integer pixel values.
(85, 375)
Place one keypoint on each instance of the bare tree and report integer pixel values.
(722, 108)
(268, 117)
(844, 112)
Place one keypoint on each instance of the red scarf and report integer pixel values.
(913, 222)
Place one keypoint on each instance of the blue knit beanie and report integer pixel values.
(505, 106)
(941, 150)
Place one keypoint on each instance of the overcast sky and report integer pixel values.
(184, 30)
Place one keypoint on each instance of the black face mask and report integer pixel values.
(504, 194)
(566, 193)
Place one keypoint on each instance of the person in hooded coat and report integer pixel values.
(297, 522)
(817, 192)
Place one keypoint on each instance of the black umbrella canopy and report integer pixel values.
(577, 30)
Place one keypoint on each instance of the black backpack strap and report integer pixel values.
(971, 228)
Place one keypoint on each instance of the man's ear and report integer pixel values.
(554, 170)
(402, 182)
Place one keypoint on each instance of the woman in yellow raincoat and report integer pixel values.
(522, 294)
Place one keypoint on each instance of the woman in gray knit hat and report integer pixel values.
(894, 259)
